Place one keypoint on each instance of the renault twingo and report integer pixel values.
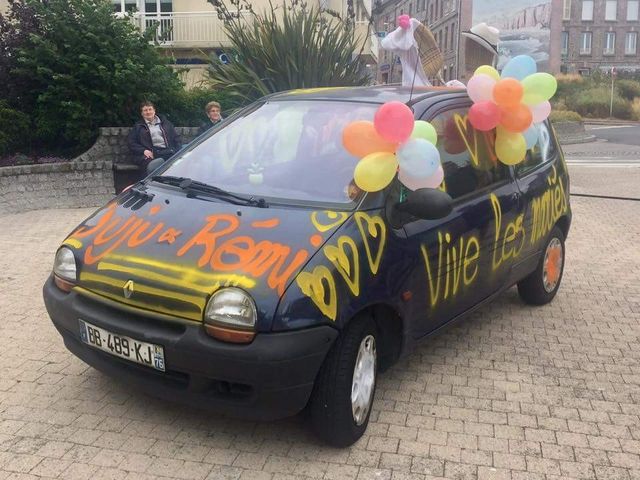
(249, 275)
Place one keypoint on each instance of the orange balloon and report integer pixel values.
(360, 139)
(517, 119)
(508, 92)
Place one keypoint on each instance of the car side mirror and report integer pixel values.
(427, 203)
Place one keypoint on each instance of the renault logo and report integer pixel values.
(128, 289)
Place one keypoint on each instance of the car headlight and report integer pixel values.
(231, 316)
(64, 269)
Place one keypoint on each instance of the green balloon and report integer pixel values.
(424, 130)
(538, 88)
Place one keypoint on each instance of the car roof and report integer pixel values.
(372, 94)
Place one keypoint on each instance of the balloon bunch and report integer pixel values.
(512, 103)
(392, 143)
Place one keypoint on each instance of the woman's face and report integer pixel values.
(214, 114)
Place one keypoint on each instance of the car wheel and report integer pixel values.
(542, 285)
(343, 394)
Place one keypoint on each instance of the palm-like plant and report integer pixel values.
(285, 47)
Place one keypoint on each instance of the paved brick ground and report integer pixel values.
(512, 393)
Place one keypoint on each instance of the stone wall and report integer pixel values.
(55, 185)
(572, 132)
(86, 181)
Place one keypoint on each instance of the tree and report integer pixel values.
(286, 47)
(72, 66)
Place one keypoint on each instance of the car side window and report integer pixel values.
(468, 155)
(544, 151)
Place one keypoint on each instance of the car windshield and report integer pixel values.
(282, 149)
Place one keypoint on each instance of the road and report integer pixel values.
(620, 134)
(615, 145)
(513, 392)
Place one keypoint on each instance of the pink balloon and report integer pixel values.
(484, 116)
(414, 183)
(394, 122)
(540, 111)
(480, 88)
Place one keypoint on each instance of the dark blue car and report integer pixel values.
(249, 275)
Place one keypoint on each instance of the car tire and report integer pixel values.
(541, 286)
(343, 394)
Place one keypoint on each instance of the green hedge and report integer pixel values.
(628, 89)
(186, 109)
(14, 129)
(594, 103)
(591, 96)
(564, 116)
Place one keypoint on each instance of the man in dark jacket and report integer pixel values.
(152, 137)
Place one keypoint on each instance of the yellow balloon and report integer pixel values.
(375, 171)
(488, 70)
(511, 148)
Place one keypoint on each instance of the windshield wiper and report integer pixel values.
(194, 187)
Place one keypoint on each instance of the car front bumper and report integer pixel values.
(270, 378)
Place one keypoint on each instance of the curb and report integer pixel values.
(577, 140)
(607, 121)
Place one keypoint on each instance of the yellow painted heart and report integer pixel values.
(462, 123)
(320, 287)
(328, 219)
(347, 263)
(375, 228)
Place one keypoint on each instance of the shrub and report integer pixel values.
(568, 85)
(635, 107)
(15, 129)
(564, 116)
(79, 68)
(290, 46)
(628, 89)
(558, 104)
(186, 108)
(594, 103)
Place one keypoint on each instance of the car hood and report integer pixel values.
(169, 254)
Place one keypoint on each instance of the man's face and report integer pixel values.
(148, 113)
(214, 114)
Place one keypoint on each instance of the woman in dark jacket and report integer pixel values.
(152, 137)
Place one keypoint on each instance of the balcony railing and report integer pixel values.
(187, 30)
(202, 29)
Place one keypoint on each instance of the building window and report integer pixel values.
(609, 43)
(566, 10)
(565, 43)
(611, 10)
(630, 44)
(587, 10)
(585, 44)
(124, 6)
(632, 10)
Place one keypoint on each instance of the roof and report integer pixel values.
(373, 94)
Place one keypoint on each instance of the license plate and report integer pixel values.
(144, 353)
